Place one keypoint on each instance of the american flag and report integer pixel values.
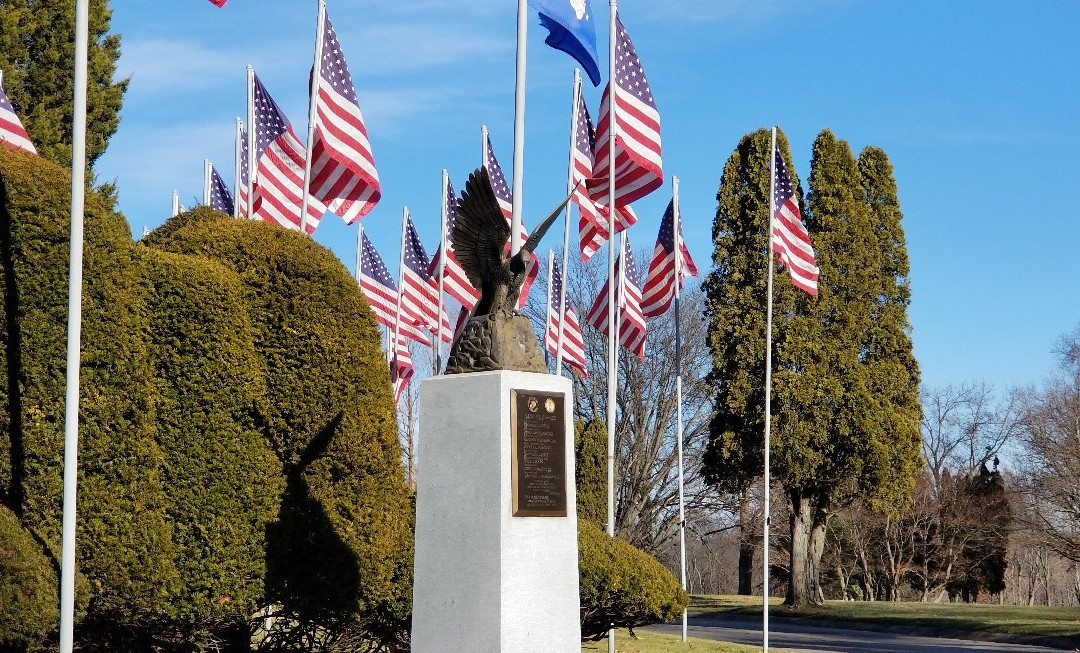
(632, 327)
(592, 219)
(11, 129)
(218, 3)
(279, 166)
(381, 293)
(220, 197)
(506, 203)
(419, 291)
(455, 282)
(573, 343)
(401, 367)
(638, 168)
(789, 238)
(660, 283)
(242, 184)
(343, 174)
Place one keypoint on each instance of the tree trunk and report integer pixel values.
(800, 593)
(817, 549)
(746, 546)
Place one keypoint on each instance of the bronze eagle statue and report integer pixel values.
(480, 237)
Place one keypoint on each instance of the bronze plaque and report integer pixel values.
(538, 453)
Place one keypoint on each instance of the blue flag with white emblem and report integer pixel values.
(570, 29)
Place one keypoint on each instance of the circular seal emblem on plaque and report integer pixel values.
(549, 405)
(534, 404)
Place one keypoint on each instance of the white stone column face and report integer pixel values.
(485, 580)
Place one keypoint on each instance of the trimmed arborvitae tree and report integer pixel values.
(37, 51)
(333, 550)
(590, 468)
(735, 309)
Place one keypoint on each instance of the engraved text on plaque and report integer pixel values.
(538, 449)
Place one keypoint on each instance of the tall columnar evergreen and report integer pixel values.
(37, 54)
(735, 309)
(845, 412)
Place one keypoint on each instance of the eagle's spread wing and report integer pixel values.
(480, 230)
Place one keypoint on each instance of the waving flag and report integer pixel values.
(592, 219)
(381, 293)
(660, 284)
(11, 129)
(570, 29)
(419, 292)
(218, 3)
(502, 194)
(343, 174)
(638, 168)
(789, 238)
(455, 282)
(242, 182)
(631, 322)
(279, 167)
(220, 197)
(573, 343)
(401, 367)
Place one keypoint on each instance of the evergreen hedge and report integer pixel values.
(238, 445)
(28, 589)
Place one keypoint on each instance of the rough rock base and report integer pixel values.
(498, 341)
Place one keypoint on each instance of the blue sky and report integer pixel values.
(976, 103)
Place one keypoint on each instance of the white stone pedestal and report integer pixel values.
(484, 580)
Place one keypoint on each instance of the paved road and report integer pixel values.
(803, 638)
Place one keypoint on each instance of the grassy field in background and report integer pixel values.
(1036, 620)
(658, 643)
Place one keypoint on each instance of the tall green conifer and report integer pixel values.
(37, 56)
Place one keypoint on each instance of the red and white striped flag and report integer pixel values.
(506, 203)
(401, 367)
(12, 132)
(455, 282)
(343, 174)
(638, 167)
(660, 284)
(573, 343)
(381, 294)
(419, 291)
(279, 167)
(592, 219)
(789, 238)
(218, 3)
(632, 329)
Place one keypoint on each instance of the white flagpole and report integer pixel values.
(566, 224)
(74, 333)
(613, 334)
(519, 127)
(442, 269)
(768, 398)
(316, 83)
(547, 323)
(400, 287)
(237, 169)
(251, 143)
(676, 225)
(175, 203)
(206, 182)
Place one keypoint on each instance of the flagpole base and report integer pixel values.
(496, 566)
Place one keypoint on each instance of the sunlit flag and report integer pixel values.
(789, 238)
(381, 293)
(660, 284)
(638, 168)
(279, 166)
(573, 343)
(242, 184)
(401, 367)
(632, 327)
(11, 129)
(218, 3)
(220, 197)
(570, 29)
(343, 174)
(419, 292)
(455, 282)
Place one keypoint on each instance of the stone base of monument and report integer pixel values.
(496, 565)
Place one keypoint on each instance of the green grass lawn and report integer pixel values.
(1035, 620)
(657, 643)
